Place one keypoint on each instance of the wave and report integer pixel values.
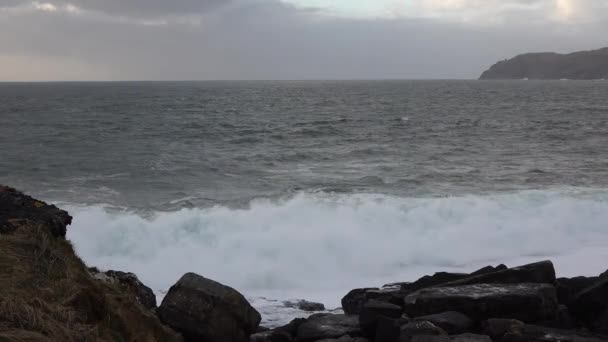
(318, 246)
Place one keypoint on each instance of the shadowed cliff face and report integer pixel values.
(47, 292)
(584, 65)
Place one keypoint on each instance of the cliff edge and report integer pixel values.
(583, 65)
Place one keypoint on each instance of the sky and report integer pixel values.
(285, 39)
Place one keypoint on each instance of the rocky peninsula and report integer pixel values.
(583, 65)
(49, 294)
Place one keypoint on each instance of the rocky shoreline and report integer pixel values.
(48, 294)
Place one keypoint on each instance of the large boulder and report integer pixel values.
(591, 302)
(526, 302)
(372, 311)
(304, 305)
(204, 310)
(326, 326)
(353, 302)
(541, 272)
(419, 328)
(533, 333)
(568, 288)
(389, 329)
(451, 321)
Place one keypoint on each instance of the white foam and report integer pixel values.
(319, 246)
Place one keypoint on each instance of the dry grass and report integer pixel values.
(47, 294)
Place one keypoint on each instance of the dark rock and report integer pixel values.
(17, 209)
(355, 299)
(568, 288)
(526, 302)
(563, 320)
(304, 305)
(434, 280)
(292, 327)
(261, 329)
(324, 326)
(496, 328)
(547, 65)
(454, 338)
(389, 329)
(202, 309)
(600, 323)
(451, 321)
(143, 294)
(540, 272)
(271, 336)
(489, 269)
(371, 311)
(532, 333)
(590, 302)
(345, 339)
(419, 328)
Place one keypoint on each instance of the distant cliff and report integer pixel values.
(584, 65)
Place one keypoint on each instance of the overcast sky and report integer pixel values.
(285, 39)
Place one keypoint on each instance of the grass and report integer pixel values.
(47, 294)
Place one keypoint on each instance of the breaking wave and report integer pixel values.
(318, 246)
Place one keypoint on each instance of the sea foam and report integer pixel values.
(319, 246)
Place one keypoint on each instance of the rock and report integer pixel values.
(496, 328)
(532, 333)
(355, 299)
(202, 309)
(489, 269)
(388, 329)
(451, 321)
(304, 305)
(454, 338)
(345, 339)
(18, 209)
(540, 272)
(568, 288)
(325, 326)
(434, 280)
(143, 294)
(292, 327)
(271, 336)
(419, 328)
(563, 320)
(590, 302)
(526, 302)
(546, 65)
(371, 311)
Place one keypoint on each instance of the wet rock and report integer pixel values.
(496, 328)
(434, 280)
(143, 294)
(451, 321)
(304, 305)
(345, 339)
(326, 326)
(18, 209)
(526, 302)
(591, 302)
(532, 333)
(389, 329)
(355, 299)
(419, 328)
(489, 269)
(271, 336)
(292, 327)
(541, 272)
(568, 288)
(454, 338)
(563, 320)
(202, 309)
(372, 311)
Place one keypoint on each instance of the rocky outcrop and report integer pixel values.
(304, 305)
(584, 65)
(327, 326)
(48, 293)
(205, 310)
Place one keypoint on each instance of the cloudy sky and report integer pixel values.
(284, 39)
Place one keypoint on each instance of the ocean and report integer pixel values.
(307, 189)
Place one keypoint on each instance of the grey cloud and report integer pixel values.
(143, 8)
(270, 40)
